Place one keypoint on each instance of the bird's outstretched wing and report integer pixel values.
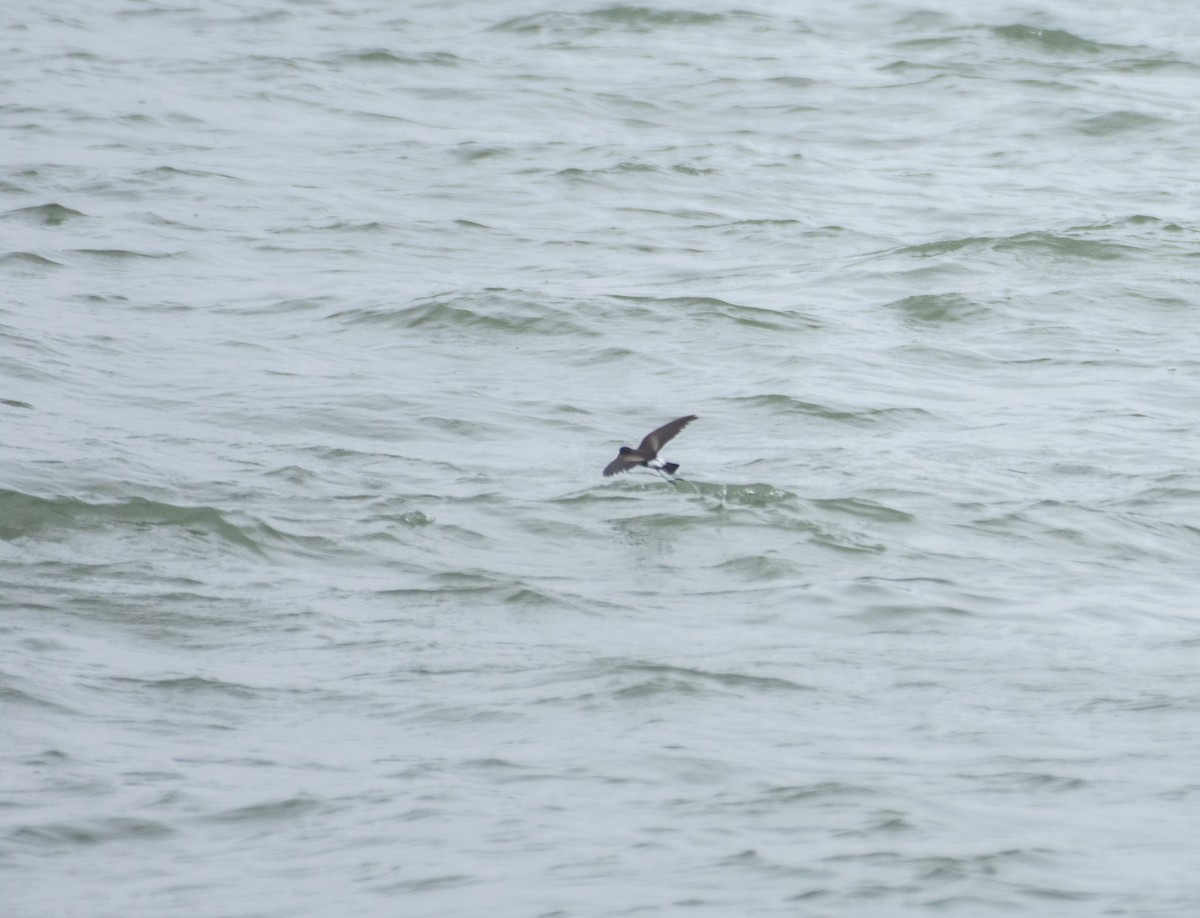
(623, 463)
(657, 439)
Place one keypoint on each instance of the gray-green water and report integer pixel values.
(320, 319)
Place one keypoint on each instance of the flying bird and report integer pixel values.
(647, 452)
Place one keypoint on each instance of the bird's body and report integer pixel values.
(647, 452)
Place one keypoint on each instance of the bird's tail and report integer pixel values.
(670, 467)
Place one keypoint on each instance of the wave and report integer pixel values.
(604, 19)
(1066, 244)
(24, 516)
(505, 312)
(1053, 40)
(779, 404)
(632, 679)
(389, 56)
(123, 254)
(702, 308)
(91, 831)
(938, 308)
(19, 260)
(43, 214)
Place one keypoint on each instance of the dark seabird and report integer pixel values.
(647, 452)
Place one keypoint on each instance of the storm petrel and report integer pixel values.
(647, 452)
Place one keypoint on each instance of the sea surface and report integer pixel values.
(320, 318)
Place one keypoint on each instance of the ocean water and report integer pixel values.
(320, 319)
